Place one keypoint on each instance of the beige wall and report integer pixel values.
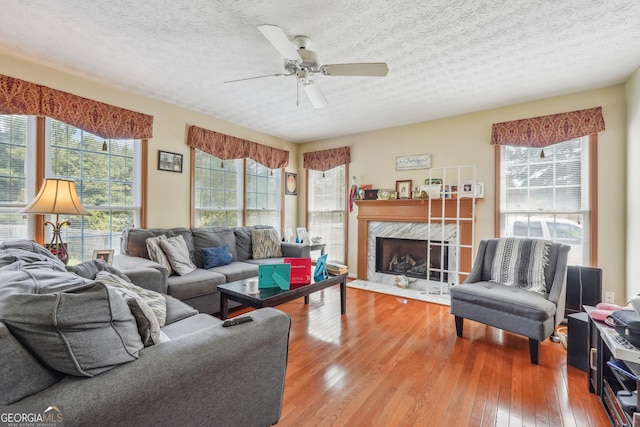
(168, 192)
(465, 140)
(633, 183)
(461, 140)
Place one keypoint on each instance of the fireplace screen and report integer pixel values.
(411, 258)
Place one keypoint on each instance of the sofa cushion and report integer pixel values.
(156, 254)
(83, 332)
(176, 250)
(265, 243)
(22, 374)
(521, 263)
(243, 242)
(190, 325)
(134, 240)
(155, 300)
(146, 320)
(213, 238)
(198, 283)
(215, 257)
(177, 310)
(237, 271)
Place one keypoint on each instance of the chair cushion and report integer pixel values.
(521, 263)
(505, 298)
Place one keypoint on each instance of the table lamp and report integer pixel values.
(57, 196)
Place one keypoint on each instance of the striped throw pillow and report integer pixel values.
(156, 254)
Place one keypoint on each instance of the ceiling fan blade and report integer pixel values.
(373, 69)
(279, 40)
(315, 94)
(258, 77)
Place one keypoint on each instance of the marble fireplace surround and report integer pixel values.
(415, 231)
(411, 218)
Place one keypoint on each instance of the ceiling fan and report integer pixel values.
(301, 62)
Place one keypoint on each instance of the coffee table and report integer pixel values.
(271, 297)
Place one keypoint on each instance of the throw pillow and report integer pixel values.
(265, 243)
(521, 263)
(178, 254)
(215, 257)
(156, 301)
(84, 331)
(148, 326)
(22, 375)
(156, 254)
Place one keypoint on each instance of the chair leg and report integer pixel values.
(534, 350)
(459, 321)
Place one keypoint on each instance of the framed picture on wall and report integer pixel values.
(290, 183)
(171, 162)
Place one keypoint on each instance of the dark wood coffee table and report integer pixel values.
(271, 297)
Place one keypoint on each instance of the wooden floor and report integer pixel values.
(396, 362)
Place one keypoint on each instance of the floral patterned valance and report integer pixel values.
(22, 97)
(326, 159)
(546, 130)
(229, 147)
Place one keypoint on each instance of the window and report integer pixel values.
(263, 195)
(327, 206)
(108, 182)
(17, 178)
(218, 186)
(547, 197)
(220, 196)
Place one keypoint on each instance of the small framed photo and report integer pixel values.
(466, 189)
(403, 188)
(291, 183)
(303, 235)
(105, 255)
(171, 162)
(471, 189)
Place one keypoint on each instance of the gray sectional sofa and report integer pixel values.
(199, 288)
(70, 343)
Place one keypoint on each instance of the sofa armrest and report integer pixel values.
(126, 263)
(235, 375)
(295, 250)
(149, 278)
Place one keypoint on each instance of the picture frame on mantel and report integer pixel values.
(403, 189)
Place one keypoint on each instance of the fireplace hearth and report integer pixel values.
(422, 259)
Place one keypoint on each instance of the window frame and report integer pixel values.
(345, 211)
(38, 164)
(592, 207)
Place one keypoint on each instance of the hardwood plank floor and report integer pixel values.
(396, 362)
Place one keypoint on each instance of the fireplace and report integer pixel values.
(422, 259)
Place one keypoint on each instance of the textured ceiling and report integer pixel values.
(445, 57)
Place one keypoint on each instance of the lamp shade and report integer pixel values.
(57, 196)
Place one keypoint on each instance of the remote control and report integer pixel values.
(236, 321)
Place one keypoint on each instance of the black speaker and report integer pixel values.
(577, 350)
(584, 287)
